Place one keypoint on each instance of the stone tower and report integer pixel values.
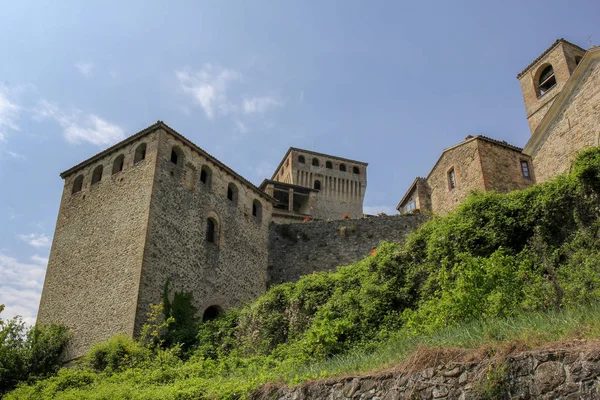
(545, 78)
(322, 186)
(152, 208)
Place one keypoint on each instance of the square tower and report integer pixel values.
(318, 185)
(546, 76)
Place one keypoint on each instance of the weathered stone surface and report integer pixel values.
(549, 380)
(301, 249)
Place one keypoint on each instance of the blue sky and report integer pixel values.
(389, 83)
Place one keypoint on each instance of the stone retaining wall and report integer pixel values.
(549, 374)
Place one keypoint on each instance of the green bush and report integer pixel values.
(497, 256)
(118, 353)
(28, 354)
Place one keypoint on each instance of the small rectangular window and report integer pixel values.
(410, 206)
(451, 179)
(525, 169)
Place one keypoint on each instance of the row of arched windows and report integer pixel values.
(328, 164)
(206, 177)
(118, 165)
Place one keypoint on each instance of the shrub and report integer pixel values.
(116, 354)
(28, 354)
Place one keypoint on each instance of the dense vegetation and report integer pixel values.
(28, 354)
(524, 260)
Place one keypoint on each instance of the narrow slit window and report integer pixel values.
(211, 231)
(317, 185)
(525, 169)
(451, 179)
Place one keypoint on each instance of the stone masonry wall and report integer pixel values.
(342, 192)
(562, 59)
(556, 374)
(225, 274)
(300, 249)
(574, 129)
(93, 273)
(464, 158)
(502, 168)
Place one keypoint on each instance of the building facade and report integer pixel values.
(156, 208)
(478, 163)
(561, 93)
(317, 185)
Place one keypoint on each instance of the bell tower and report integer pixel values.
(545, 77)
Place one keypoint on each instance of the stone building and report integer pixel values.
(316, 185)
(572, 121)
(479, 163)
(151, 208)
(561, 92)
(156, 208)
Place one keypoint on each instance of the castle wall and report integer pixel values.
(502, 168)
(223, 274)
(300, 249)
(93, 272)
(574, 129)
(466, 162)
(342, 192)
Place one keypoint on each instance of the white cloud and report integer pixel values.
(85, 68)
(79, 127)
(241, 126)
(35, 239)
(8, 112)
(15, 155)
(21, 286)
(208, 87)
(260, 104)
(374, 210)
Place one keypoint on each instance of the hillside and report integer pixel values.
(521, 268)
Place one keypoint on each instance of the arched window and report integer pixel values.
(355, 170)
(343, 167)
(211, 313)
(77, 184)
(176, 155)
(205, 175)
(97, 174)
(118, 164)
(546, 81)
(315, 162)
(577, 60)
(317, 185)
(301, 159)
(232, 193)
(212, 230)
(140, 153)
(328, 164)
(257, 209)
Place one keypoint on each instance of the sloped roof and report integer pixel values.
(548, 50)
(540, 134)
(409, 191)
(161, 125)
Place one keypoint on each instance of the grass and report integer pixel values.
(173, 378)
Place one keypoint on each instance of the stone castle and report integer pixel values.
(156, 207)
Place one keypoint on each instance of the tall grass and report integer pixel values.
(173, 378)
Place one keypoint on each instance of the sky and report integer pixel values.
(391, 83)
